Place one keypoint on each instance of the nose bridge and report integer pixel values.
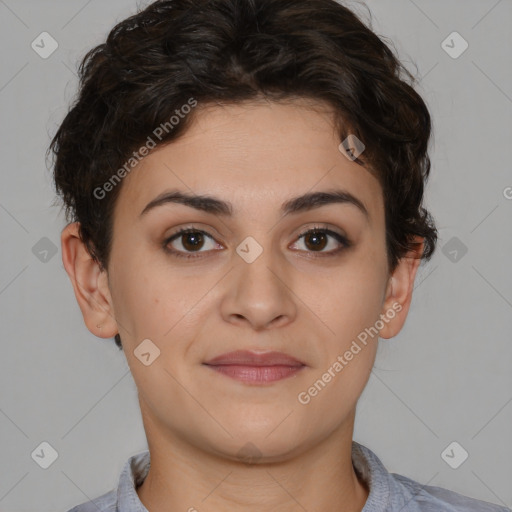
(260, 274)
(258, 290)
(258, 268)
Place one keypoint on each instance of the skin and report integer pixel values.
(293, 298)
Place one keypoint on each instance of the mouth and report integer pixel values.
(256, 368)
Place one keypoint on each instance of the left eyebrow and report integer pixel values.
(295, 205)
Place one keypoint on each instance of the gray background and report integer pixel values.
(446, 377)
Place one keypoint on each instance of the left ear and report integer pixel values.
(399, 291)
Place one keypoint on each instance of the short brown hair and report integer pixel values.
(231, 51)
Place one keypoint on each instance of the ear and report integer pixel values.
(399, 291)
(89, 283)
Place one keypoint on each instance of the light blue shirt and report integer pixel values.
(389, 492)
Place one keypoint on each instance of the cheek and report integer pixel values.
(157, 303)
(353, 296)
(142, 308)
(350, 309)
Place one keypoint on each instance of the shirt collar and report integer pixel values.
(371, 470)
(133, 474)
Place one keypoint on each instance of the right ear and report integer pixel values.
(90, 283)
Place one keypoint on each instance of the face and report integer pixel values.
(249, 276)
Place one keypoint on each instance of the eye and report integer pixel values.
(192, 240)
(317, 239)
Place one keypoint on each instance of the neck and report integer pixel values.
(185, 477)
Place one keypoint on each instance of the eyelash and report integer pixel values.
(316, 229)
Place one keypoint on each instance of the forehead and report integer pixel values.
(255, 155)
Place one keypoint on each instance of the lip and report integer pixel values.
(255, 368)
(249, 358)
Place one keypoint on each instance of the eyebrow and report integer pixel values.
(217, 206)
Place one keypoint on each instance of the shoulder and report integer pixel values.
(427, 498)
(104, 503)
(392, 492)
(124, 497)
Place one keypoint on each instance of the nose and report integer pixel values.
(259, 294)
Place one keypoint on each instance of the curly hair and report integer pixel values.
(234, 51)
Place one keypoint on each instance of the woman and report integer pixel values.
(245, 183)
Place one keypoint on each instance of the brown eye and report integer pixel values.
(191, 240)
(317, 239)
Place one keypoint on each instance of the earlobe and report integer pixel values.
(399, 292)
(90, 284)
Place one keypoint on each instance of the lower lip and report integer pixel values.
(257, 374)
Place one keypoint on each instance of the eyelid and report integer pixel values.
(177, 235)
(325, 227)
(341, 238)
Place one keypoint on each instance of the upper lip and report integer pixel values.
(248, 358)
